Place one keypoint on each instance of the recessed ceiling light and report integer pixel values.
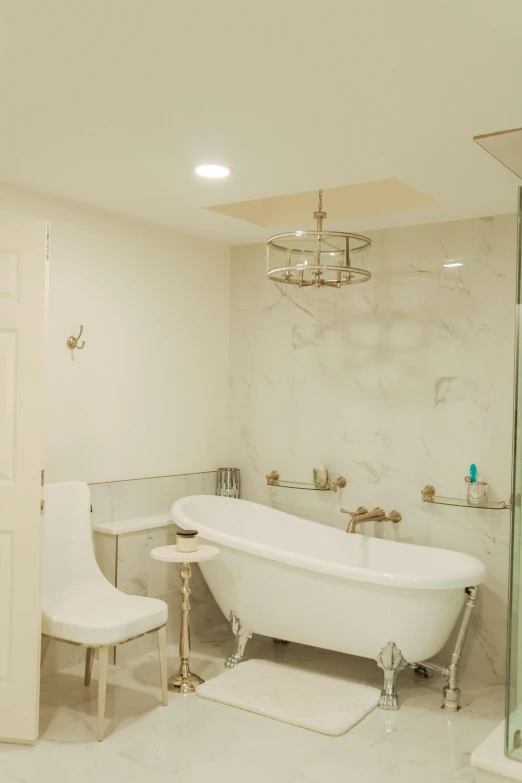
(212, 171)
(453, 263)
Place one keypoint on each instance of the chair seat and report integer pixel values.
(104, 617)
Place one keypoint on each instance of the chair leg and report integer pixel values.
(46, 641)
(103, 663)
(88, 665)
(162, 644)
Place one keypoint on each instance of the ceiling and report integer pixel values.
(506, 147)
(111, 103)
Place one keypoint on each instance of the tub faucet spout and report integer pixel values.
(363, 515)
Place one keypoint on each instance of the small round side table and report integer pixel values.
(184, 681)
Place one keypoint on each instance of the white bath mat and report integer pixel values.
(313, 701)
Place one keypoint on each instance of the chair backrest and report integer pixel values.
(69, 564)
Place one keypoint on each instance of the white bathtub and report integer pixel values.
(292, 579)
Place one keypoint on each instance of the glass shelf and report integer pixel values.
(463, 502)
(273, 480)
(299, 485)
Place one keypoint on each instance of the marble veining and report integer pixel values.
(397, 383)
(194, 740)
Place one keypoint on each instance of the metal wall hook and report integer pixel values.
(72, 342)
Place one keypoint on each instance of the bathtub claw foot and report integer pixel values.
(391, 661)
(242, 637)
(389, 701)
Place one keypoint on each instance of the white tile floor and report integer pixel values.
(197, 741)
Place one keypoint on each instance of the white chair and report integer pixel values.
(79, 605)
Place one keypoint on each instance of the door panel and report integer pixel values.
(8, 352)
(22, 311)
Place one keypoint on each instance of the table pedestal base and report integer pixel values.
(184, 681)
(180, 683)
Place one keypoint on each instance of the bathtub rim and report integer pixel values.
(474, 575)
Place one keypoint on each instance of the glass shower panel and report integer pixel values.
(513, 738)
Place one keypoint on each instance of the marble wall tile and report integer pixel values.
(139, 574)
(145, 497)
(397, 383)
(106, 551)
(102, 504)
(119, 500)
(133, 566)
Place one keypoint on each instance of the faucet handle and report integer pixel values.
(360, 510)
(394, 516)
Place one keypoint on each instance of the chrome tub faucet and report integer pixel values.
(363, 515)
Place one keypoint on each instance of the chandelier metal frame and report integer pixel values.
(312, 268)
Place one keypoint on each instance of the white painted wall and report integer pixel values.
(148, 394)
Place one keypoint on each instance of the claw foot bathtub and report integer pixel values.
(289, 578)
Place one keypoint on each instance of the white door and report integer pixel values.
(23, 283)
